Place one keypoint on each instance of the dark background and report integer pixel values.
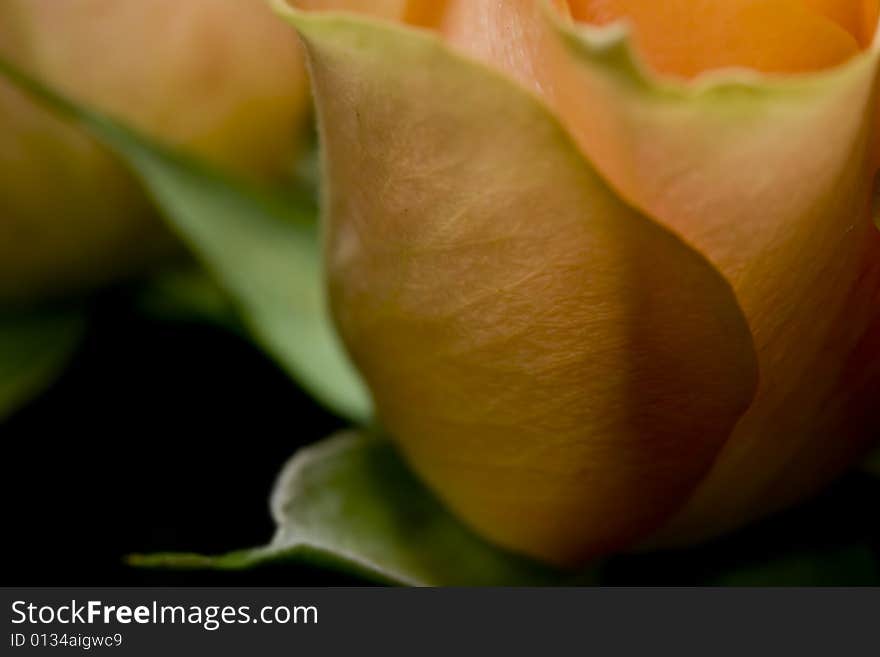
(159, 436)
(167, 436)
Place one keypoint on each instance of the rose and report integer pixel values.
(578, 367)
(186, 72)
(220, 78)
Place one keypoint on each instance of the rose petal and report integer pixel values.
(771, 179)
(559, 368)
(858, 17)
(688, 37)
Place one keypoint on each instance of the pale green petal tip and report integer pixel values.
(284, 9)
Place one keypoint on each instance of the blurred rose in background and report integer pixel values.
(222, 79)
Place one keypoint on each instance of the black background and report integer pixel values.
(168, 436)
(159, 436)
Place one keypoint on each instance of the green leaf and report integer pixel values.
(351, 503)
(34, 348)
(261, 248)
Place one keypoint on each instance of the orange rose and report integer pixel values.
(599, 305)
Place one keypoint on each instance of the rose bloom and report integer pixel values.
(223, 79)
(608, 291)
